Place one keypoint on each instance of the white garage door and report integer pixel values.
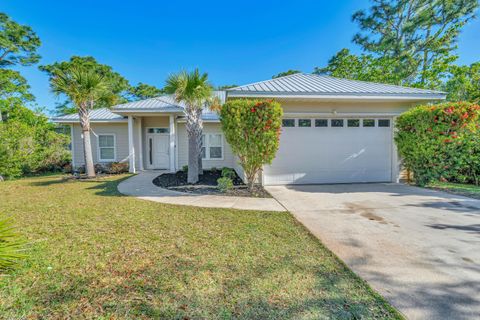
(336, 150)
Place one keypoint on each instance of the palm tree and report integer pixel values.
(84, 87)
(195, 92)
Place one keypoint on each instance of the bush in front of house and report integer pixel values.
(252, 128)
(228, 173)
(441, 142)
(224, 184)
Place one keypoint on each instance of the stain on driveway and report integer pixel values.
(419, 248)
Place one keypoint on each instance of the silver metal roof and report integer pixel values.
(102, 114)
(304, 84)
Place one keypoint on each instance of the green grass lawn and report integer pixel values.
(468, 190)
(97, 254)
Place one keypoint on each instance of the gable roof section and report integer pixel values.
(321, 86)
(96, 115)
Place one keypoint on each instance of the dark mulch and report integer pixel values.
(207, 184)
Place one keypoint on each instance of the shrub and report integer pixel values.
(11, 246)
(185, 168)
(441, 142)
(118, 167)
(224, 184)
(228, 173)
(252, 128)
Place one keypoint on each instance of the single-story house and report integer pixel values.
(334, 131)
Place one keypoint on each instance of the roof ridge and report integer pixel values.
(263, 81)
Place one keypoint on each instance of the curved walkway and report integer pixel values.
(141, 186)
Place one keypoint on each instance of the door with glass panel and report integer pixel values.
(158, 150)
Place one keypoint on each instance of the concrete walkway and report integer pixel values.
(141, 186)
(419, 248)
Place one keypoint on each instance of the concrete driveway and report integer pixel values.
(419, 248)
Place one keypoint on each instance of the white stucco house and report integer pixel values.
(334, 131)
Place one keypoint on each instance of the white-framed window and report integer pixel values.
(106, 147)
(212, 146)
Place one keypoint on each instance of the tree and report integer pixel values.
(464, 83)
(226, 86)
(285, 73)
(118, 85)
(419, 35)
(143, 91)
(85, 87)
(18, 43)
(195, 92)
(363, 67)
(252, 128)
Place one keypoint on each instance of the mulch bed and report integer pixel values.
(207, 184)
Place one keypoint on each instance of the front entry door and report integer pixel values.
(158, 151)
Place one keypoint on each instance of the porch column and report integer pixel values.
(131, 148)
(172, 143)
(140, 143)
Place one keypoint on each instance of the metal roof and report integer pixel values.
(100, 115)
(304, 84)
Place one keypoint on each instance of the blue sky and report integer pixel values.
(239, 42)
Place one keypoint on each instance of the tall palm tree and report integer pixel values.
(84, 87)
(195, 92)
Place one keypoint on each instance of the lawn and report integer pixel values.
(97, 254)
(467, 190)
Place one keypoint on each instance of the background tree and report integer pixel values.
(143, 91)
(85, 87)
(226, 86)
(463, 83)
(195, 92)
(286, 73)
(252, 128)
(18, 43)
(118, 85)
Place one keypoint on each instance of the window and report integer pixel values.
(337, 122)
(369, 122)
(212, 146)
(304, 123)
(106, 147)
(288, 123)
(353, 123)
(158, 130)
(384, 122)
(321, 123)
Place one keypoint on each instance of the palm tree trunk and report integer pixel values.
(87, 145)
(194, 132)
(199, 140)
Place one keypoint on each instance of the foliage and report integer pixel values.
(98, 255)
(419, 35)
(226, 86)
(13, 88)
(18, 43)
(464, 83)
(143, 91)
(117, 167)
(195, 92)
(228, 173)
(117, 85)
(11, 246)
(29, 143)
(286, 73)
(185, 168)
(364, 67)
(441, 142)
(252, 128)
(225, 184)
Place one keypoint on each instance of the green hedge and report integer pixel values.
(441, 142)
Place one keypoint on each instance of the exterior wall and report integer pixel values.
(121, 140)
(182, 146)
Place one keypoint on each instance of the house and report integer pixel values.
(333, 131)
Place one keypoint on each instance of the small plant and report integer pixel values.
(11, 246)
(228, 173)
(225, 184)
(117, 167)
(185, 168)
(213, 169)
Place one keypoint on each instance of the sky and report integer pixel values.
(235, 42)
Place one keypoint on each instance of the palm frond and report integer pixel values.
(192, 88)
(12, 247)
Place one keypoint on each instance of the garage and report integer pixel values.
(332, 150)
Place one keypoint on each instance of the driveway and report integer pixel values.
(419, 248)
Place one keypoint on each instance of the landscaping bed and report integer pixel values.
(207, 184)
(461, 189)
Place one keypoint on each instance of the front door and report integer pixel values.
(158, 151)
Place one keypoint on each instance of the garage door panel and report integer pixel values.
(331, 155)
